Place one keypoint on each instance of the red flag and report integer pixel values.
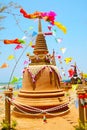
(71, 72)
(33, 46)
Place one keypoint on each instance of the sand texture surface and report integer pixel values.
(65, 122)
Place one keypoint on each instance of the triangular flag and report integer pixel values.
(49, 27)
(82, 101)
(74, 87)
(59, 40)
(33, 46)
(63, 50)
(14, 80)
(34, 33)
(31, 28)
(30, 44)
(54, 32)
(76, 103)
(71, 72)
(22, 41)
(68, 59)
(10, 57)
(18, 47)
(24, 37)
(26, 62)
(4, 65)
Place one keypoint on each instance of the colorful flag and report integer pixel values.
(26, 62)
(59, 40)
(10, 57)
(18, 47)
(68, 59)
(15, 41)
(71, 72)
(30, 44)
(50, 27)
(63, 50)
(60, 26)
(14, 80)
(74, 87)
(4, 65)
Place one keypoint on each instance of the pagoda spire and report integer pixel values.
(40, 44)
(53, 56)
(75, 70)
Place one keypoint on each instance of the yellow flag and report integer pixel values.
(68, 59)
(74, 87)
(60, 26)
(30, 44)
(84, 75)
(10, 57)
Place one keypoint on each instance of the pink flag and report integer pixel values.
(18, 47)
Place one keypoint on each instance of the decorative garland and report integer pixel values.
(56, 75)
(40, 111)
(34, 109)
(34, 76)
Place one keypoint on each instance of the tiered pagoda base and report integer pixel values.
(36, 103)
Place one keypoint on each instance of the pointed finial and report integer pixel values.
(54, 62)
(39, 26)
(75, 63)
(53, 52)
(75, 70)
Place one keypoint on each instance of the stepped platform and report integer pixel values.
(38, 102)
(41, 94)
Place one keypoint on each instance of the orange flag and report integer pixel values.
(15, 41)
(4, 65)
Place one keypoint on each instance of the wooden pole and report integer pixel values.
(86, 113)
(81, 109)
(85, 88)
(81, 112)
(8, 94)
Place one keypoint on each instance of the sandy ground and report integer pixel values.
(65, 122)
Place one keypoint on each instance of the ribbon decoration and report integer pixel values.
(15, 41)
(47, 16)
(48, 33)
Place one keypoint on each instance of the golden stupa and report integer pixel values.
(41, 90)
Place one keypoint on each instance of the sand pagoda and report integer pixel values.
(75, 79)
(41, 90)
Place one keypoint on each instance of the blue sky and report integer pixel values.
(71, 13)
